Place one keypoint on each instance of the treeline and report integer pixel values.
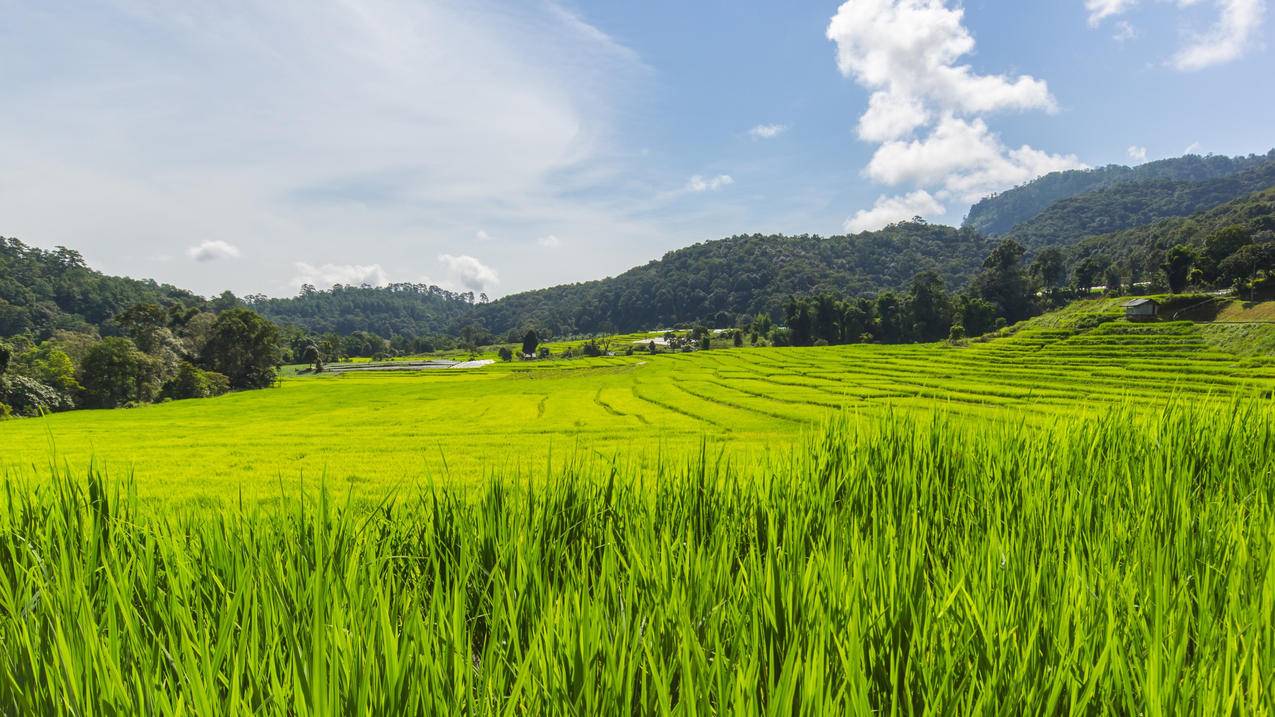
(1004, 291)
(171, 352)
(999, 213)
(715, 282)
(46, 291)
(1225, 247)
(408, 310)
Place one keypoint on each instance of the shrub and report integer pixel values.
(193, 382)
(505, 354)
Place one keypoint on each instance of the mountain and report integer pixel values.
(998, 214)
(43, 291)
(1133, 204)
(394, 310)
(717, 281)
(1255, 213)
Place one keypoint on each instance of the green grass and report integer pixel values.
(373, 433)
(892, 563)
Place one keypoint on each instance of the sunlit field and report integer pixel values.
(1113, 564)
(382, 432)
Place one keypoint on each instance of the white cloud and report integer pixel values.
(698, 183)
(1138, 154)
(469, 273)
(481, 235)
(212, 251)
(1124, 32)
(1100, 10)
(964, 159)
(391, 124)
(1193, 148)
(1234, 33)
(888, 210)
(549, 242)
(1228, 39)
(926, 109)
(767, 131)
(327, 275)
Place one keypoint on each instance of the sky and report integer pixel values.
(494, 147)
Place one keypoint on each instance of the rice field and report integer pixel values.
(372, 434)
(1118, 563)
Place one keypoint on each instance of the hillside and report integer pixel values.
(42, 291)
(998, 214)
(394, 310)
(718, 280)
(1254, 212)
(1124, 206)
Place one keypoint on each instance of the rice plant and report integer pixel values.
(902, 565)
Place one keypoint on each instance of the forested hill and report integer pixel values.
(43, 291)
(1124, 206)
(394, 310)
(718, 280)
(1144, 246)
(998, 214)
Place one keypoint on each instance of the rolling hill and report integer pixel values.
(1000, 213)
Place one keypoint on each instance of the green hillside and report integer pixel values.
(1000, 213)
(1135, 204)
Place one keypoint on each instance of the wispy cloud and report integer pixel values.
(1234, 33)
(549, 242)
(767, 131)
(699, 183)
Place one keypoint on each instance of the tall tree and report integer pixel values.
(1177, 267)
(244, 347)
(1003, 282)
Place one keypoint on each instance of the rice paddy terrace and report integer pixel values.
(379, 431)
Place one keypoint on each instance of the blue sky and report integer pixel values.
(499, 146)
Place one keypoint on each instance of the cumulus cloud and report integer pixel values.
(549, 242)
(767, 131)
(926, 108)
(212, 251)
(346, 274)
(481, 235)
(1228, 39)
(698, 183)
(888, 210)
(1234, 32)
(1138, 154)
(467, 272)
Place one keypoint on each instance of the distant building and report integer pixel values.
(1141, 309)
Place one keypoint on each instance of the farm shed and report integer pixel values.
(1141, 309)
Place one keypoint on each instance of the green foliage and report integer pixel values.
(6, 355)
(243, 346)
(835, 584)
(742, 276)
(1177, 265)
(115, 373)
(505, 354)
(1001, 213)
(398, 309)
(43, 291)
(26, 396)
(193, 382)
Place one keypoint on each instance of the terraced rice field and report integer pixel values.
(375, 433)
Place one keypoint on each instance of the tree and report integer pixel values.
(505, 354)
(1177, 267)
(244, 347)
(1087, 271)
(311, 355)
(1049, 268)
(1113, 279)
(705, 343)
(930, 306)
(738, 339)
(530, 341)
(1248, 262)
(115, 373)
(5, 356)
(1003, 282)
(192, 382)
